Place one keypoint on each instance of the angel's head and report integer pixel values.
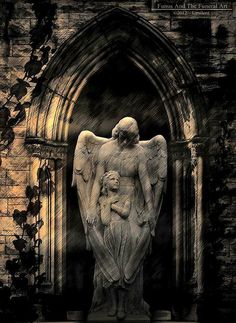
(126, 132)
(110, 182)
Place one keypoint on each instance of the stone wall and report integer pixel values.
(208, 45)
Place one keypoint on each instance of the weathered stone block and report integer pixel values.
(20, 132)
(62, 23)
(4, 94)
(5, 279)
(8, 226)
(17, 201)
(163, 25)
(3, 206)
(225, 250)
(63, 34)
(79, 19)
(16, 163)
(16, 206)
(21, 50)
(2, 248)
(3, 177)
(227, 281)
(69, 5)
(16, 64)
(5, 77)
(233, 248)
(19, 27)
(12, 191)
(18, 148)
(10, 249)
(177, 38)
(23, 9)
(17, 178)
(4, 48)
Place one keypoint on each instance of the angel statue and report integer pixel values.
(120, 183)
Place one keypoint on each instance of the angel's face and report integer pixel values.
(113, 182)
(126, 139)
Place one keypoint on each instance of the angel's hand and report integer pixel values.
(113, 199)
(152, 224)
(91, 217)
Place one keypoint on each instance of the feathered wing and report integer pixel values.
(156, 152)
(84, 170)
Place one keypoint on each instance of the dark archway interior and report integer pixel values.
(119, 89)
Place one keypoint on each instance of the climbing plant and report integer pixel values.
(30, 84)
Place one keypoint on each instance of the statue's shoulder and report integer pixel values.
(107, 146)
(140, 151)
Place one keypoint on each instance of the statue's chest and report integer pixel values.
(126, 163)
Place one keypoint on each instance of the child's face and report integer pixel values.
(113, 182)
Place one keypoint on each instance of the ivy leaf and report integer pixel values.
(20, 282)
(12, 266)
(18, 118)
(20, 244)
(19, 89)
(45, 54)
(31, 230)
(40, 279)
(34, 79)
(29, 192)
(33, 67)
(43, 174)
(38, 242)
(39, 87)
(20, 106)
(40, 223)
(37, 207)
(4, 116)
(36, 190)
(34, 207)
(28, 258)
(19, 217)
(8, 135)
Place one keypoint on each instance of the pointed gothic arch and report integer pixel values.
(111, 32)
(114, 31)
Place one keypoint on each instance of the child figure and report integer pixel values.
(114, 213)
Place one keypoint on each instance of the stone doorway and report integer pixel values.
(120, 38)
(117, 90)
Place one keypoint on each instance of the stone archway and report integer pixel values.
(114, 31)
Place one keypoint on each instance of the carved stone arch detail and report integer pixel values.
(116, 30)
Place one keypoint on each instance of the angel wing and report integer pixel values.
(84, 170)
(156, 152)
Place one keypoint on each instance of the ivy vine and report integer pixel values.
(40, 35)
(24, 268)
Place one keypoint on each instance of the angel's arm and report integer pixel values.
(100, 170)
(123, 210)
(145, 182)
(162, 173)
(158, 193)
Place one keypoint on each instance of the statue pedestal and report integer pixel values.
(99, 317)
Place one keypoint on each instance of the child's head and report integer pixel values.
(110, 182)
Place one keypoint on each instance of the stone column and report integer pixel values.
(60, 227)
(179, 153)
(53, 213)
(197, 149)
